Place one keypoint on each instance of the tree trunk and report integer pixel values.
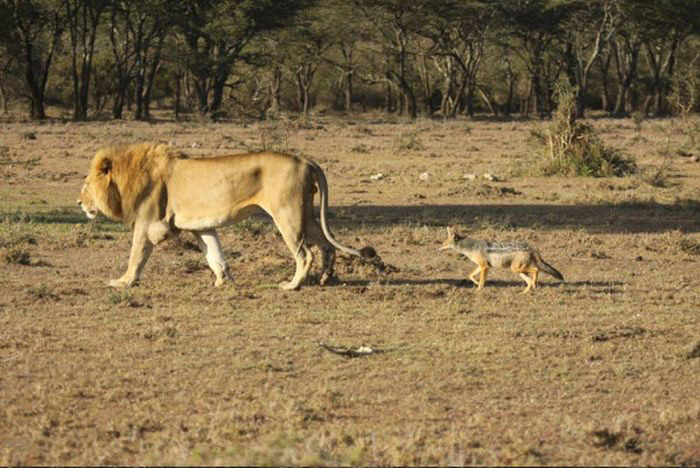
(3, 97)
(84, 18)
(511, 77)
(178, 93)
(348, 91)
(604, 65)
(275, 96)
(217, 98)
(388, 98)
(488, 101)
(470, 99)
(118, 104)
(626, 56)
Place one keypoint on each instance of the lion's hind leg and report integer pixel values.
(315, 236)
(211, 247)
(291, 228)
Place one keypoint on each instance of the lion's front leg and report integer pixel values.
(141, 249)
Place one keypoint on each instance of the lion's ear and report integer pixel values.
(105, 166)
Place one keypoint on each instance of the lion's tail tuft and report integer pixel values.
(368, 252)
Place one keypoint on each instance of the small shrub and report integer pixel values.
(42, 292)
(689, 246)
(274, 133)
(660, 176)
(361, 148)
(638, 119)
(684, 98)
(573, 148)
(192, 266)
(18, 256)
(408, 141)
(126, 298)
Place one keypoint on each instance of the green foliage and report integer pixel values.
(447, 56)
(573, 148)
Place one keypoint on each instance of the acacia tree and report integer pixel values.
(393, 23)
(344, 35)
(458, 31)
(625, 44)
(34, 33)
(587, 29)
(6, 63)
(304, 47)
(83, 21)
(137, 30)
(6, 60)
(664, 27)
(529, 28)
(216, 34)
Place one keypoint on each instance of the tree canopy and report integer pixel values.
(217, 58)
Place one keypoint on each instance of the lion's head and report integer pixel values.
(121, 178)
(100, 191)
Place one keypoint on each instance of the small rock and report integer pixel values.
(469, 176)
(695, 159)
(424, 176)
(377, 176)
(195, 145)
(491, 177)
(638, 258)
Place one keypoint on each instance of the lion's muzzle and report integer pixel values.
(88, 212)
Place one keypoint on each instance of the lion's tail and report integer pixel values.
(365, 252)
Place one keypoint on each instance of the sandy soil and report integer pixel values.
(601, 369)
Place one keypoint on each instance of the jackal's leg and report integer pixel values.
(526, 272)
(534, 271)
(482, 277)
(528, 280)
(473, 274)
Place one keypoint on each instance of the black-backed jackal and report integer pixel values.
(521, 257)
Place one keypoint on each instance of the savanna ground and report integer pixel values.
(602, 369)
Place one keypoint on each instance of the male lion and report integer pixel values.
(158, 191)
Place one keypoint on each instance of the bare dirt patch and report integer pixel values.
(602, 369)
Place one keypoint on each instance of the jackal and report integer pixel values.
(521, 257)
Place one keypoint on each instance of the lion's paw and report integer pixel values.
(121, 283)
(288, 286)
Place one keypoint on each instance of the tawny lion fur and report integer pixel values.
(158, 191)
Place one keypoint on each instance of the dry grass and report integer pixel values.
(602, 369)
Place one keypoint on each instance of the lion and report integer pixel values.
(158, 192)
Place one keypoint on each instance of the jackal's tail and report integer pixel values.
(547, 268)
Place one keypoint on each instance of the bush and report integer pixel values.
(18, 256)
(573, 148)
